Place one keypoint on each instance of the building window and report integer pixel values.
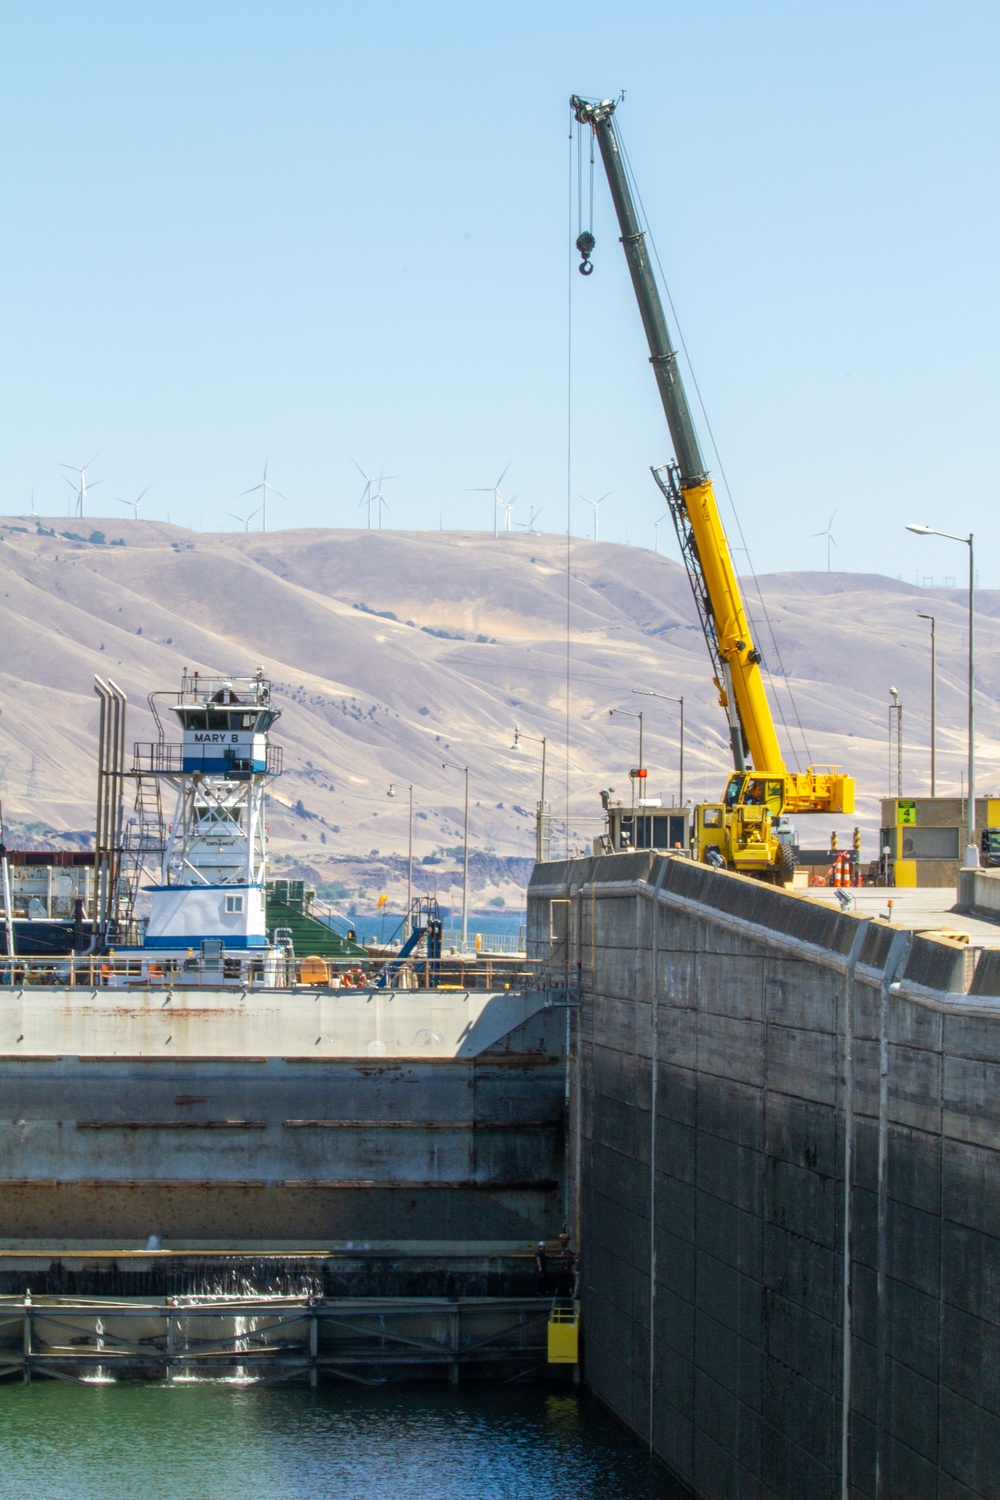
(234, 905)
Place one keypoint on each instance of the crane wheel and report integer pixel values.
(784, 868)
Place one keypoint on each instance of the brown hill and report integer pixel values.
(392, 652)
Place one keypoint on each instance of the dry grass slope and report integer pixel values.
(395, 651)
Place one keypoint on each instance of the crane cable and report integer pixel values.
(569, 462)
(585, 241)
(725, 483)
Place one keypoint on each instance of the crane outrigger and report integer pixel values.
(746, 831)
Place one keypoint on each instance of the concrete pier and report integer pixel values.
(786, 1125)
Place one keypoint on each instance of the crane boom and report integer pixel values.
(749, 838)
(689, 489)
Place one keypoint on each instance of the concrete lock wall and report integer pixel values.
(222, 1118)
(743, 1053)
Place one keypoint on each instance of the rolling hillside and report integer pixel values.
(392, 652)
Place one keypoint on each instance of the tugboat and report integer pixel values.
(208, 905)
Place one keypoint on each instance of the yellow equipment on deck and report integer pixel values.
(564, 1334)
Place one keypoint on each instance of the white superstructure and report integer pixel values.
(211, 882)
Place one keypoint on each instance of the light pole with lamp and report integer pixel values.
(896, 723)
(630, 715)
(971, 847)
(449, 765)
(403, 787)
(669, 698)
(540, 841)
(933, 699)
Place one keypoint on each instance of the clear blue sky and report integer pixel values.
(326, 232)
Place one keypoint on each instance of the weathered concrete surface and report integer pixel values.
(218, 1119)
(52, 1020)
(918, 908)
(730, 1042)
(979, 893)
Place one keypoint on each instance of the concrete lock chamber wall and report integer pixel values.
(743, 1056)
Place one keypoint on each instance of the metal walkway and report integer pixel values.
(263, 1340)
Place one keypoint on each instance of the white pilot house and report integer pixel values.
(211, 884)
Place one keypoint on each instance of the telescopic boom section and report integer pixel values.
(696, 515)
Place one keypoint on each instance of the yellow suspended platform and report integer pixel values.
(564, 1335)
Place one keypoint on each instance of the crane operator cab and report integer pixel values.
(747, 831)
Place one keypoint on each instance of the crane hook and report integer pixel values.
(585, 244)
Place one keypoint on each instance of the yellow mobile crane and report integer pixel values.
(747, 830)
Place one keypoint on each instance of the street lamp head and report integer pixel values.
(921, 530)
(894, 692)
(921, 616)
(392, 790)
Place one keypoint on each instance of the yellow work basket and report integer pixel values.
(564, 1335)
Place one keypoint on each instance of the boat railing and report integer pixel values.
(175, 759)
(276, 970)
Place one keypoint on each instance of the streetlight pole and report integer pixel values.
(630, 715)
(971, 848)
(520, 735)
(669, 698)
(409, 858)
(896, 720)
(933, 699)
(450, 765)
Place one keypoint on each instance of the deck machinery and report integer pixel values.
(748, 830)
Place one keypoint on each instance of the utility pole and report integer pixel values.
(450, 765)
(933, 699)
(896, 733)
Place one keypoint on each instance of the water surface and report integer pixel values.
(134, 1441)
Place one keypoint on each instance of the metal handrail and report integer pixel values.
(143, 970)
(175, 759)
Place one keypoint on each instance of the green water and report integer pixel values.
(212, 1442)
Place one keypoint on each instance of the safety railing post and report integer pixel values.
(26, 1340)
(455, 1333)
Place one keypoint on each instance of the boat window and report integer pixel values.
(220, 815)
(195, 719)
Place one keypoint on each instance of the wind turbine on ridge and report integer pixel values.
(134, 503)
(529, 525)
(245, 519)
(370, 496)
(379, 499)
(498, 500)
(508, 506)
(80, 489)
(828, 533)
(264, 486)
(597, 505)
